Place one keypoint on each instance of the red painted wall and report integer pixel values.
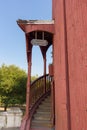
(76, 20)
(61, 120)
(70, 50)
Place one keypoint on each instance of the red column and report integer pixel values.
(29, 56)
(28, 86)
(44, 58)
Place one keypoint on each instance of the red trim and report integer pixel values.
(27, 28)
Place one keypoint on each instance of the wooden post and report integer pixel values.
(53, 102)
(29, 57)
(28, 86)
(44, 57)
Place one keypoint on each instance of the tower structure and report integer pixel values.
(70, 54)
(67, 33)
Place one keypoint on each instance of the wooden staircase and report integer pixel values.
(40, 115)
(41, 119)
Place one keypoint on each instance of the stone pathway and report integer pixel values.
(11, 128)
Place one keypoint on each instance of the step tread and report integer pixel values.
(42, 116)
(43, 110)
(35, 124)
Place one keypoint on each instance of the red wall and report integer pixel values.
(70, 51)
(61, 122)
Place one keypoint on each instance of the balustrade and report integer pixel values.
(39, 88)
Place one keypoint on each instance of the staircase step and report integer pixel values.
(41, 128)
(43, 112)
(42, 116)
(44, 107)
(48, 99)
(38, 123)
(46, 103)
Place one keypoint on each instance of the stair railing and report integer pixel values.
(38, 88)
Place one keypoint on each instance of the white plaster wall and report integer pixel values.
(3, 119)
(11, 118)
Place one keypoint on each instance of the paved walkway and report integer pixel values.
(11, 128)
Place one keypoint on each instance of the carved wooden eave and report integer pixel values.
(39, 26)
(33, 25)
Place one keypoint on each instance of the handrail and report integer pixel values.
(38, 88)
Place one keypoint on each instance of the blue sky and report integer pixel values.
(12, 38)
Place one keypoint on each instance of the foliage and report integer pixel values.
(34, 78)
(12, 85)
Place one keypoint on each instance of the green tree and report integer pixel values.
(34, 77)
(12, 85)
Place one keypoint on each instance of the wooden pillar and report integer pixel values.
(53, 101)
(43, 51)
(45, 64)
(29, 55)
(44, 58)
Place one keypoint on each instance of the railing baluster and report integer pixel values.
(38, 87)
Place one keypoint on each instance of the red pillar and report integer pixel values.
(44, 58)
(43, 51)
(29, 57)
